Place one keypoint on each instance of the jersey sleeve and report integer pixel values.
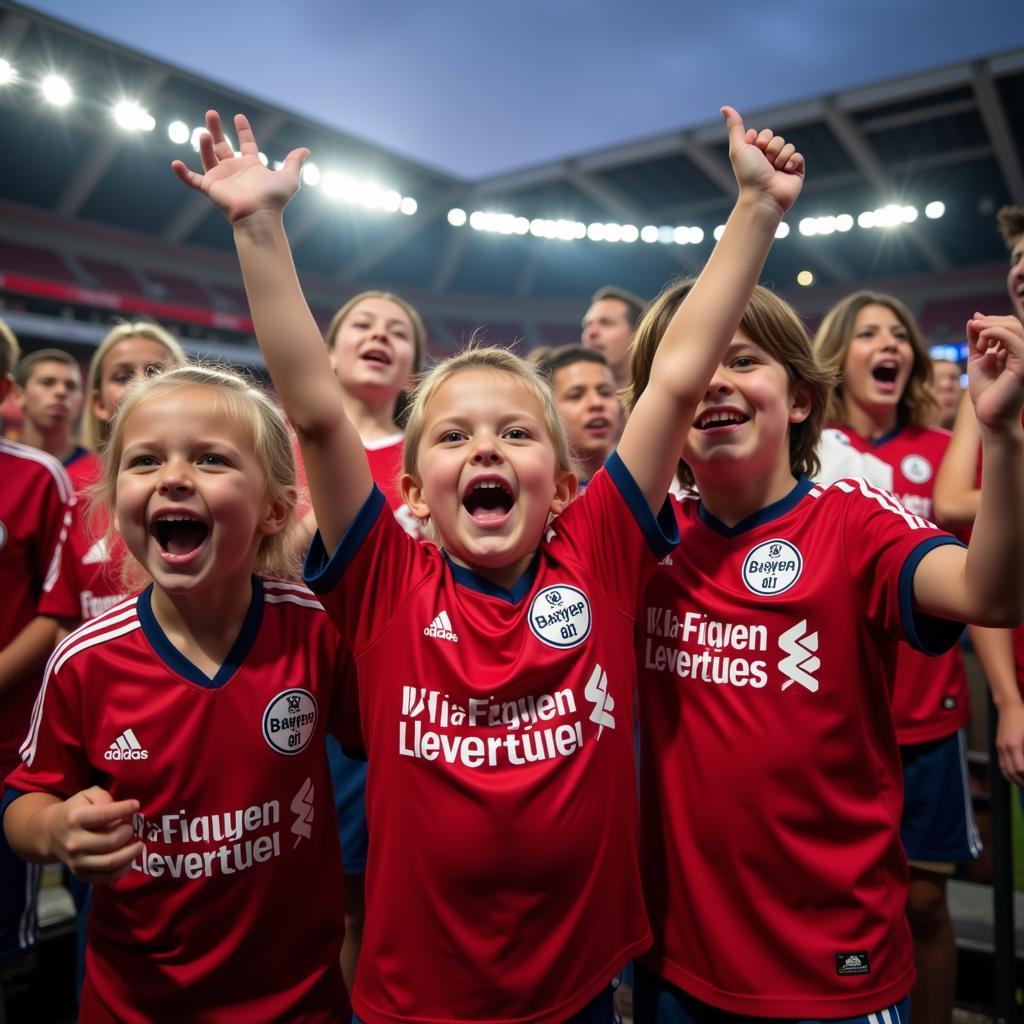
(884, 544)
(53, 513)
(614, 532)
(369, 575)
(61, 591)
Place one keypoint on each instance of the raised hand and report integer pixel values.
(240, 186)
(93, 835)
(995, 370)
(763, 162)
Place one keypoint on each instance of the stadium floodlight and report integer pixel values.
(613, 232)
(649, 233)
(696, 235)
(909, 214)
(7, 72)
(390, 200)
(477, 220)
(133, 118)
(311, 174)
(56, 90)
(595, 232)
(197, 134)
(681, 235)
(409, 206)
(934, 210)
(890, 216)
(456, 217)
(278, 165)
(666, 234)
(264, 159)
(805, 278)
(178, 133)
(718, 232)
(780, 232)
(808, 226)
(522, 226)
(866, 219)
(844, 222)
(630, 233)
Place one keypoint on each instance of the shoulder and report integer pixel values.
(31, 462)
(290, 598)
(861, 499)
(93, 638)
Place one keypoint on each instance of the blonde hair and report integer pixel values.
(916, 406)
(774, 326)
(497, 360)
(10, 352)
(271, 445)
(94, 432)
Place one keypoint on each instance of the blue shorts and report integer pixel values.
(657, 1001)
(598, 1011)
(19, 892)
(938, 820)
(348, 777)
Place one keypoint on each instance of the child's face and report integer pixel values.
(487, 474)
(192, 501)
(878, 361)
(742, 425)
(374, 349)
(124, 363)
(589, 408)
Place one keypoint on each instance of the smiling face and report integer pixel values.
(191, 499)
(124, 363)
(374, 349)
(741, 427)
(1015, 277)
(877, 365)
(486, 472)
(589, 408)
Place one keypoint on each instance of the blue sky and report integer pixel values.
(480, 88)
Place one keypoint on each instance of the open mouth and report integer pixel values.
(597, 423)
(376, 356)
(179, 534)
(488, 500)
(885, 373)
(713, 419)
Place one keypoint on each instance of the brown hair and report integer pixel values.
(9, 350)
(633, 303)
(916, 405)
(94, 433)
(23, 371)
(271, 444)
(1010, 220)
(774, 326)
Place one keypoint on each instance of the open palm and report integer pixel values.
(239, 185)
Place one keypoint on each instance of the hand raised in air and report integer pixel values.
(763, 162)
(240, 186)
(995, 370)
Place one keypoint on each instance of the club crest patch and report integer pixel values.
(772, 568)
(290, 721)
(560, 616)
(917, 469)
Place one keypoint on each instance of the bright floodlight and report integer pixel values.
(909, 214)
(178, 133)
(866, 219)
(890, 216)
(408, 205)
(844, 222)
(808, 226)
(311, 174)
(613, 232)
(781, 231)
(132, 118)
(696, 236)
(630, 233)
(264, 159)
(197, 134)
(805, 278)
(7, 72)
(666, 234)
(718, 232)
(595, 232)
(681, 235)
(933, 211)
(456, 217)
(649, 233)
(56, 90)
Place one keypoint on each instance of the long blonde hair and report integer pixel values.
(271, 445)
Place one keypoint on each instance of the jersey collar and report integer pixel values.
(467, 578)
(178, 663)
(765, 515)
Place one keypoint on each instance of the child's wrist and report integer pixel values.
(760, 204)
(258, 224)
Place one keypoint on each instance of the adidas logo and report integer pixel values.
(441, 629)
(99, 552)
(126, 748)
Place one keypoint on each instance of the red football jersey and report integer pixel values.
(233, 911)
(930, 698)
(771, 784)
(502, 880)
(83, 468)
(34, 499)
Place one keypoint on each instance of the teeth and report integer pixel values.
(487, 486)
(177, 519)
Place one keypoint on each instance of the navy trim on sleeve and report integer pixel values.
(661, 531)
(177, 662)
(10, 795)
(321, 571)
(926, 633)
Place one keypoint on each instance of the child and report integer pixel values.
(33, 503)
(883, 405)
(496, 671)
(770, 775)
(175, 758)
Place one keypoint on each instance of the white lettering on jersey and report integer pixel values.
(126, 748)
(800, 662)
(302, 808)
(596, 692)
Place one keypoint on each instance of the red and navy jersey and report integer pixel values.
(89, 579)
(233, 909)
(771, 783)
(502, 880)
(930, 699)
(34, 498)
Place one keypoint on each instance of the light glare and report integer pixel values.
(718, 232)
(782, 230)
(934, 210)
(56, 90)
(649, 233)
(408, 205)
(311, 174)
(456, 217)
(7, 72)
(805, 278)
(177, 132)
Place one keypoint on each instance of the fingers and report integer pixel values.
(738, 135)
(101, 815)
(294, 160)
(190, 178)
(215, 128)
(104, 869)
(246, 140)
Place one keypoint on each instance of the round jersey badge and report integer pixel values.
(560, 616)
(289, 721)
(916, 468)
(772, 568)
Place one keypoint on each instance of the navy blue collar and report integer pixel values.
(467, 578)
(178, 663)
(759, 518)
(879, 441)
(75, 455)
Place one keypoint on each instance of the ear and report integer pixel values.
(566, 486)
(99, 409)
(18, 393)
(412, 494)
(276, 514)
(799, 403)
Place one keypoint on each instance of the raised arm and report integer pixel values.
(955, 501)
(253, 198)
(985, 585)
(770, 174)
